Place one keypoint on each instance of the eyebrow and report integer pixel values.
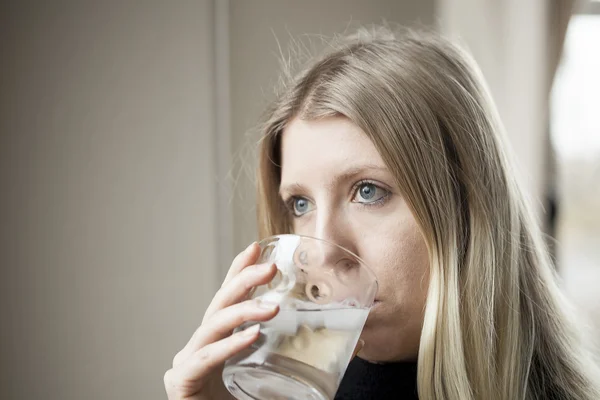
(345, 176)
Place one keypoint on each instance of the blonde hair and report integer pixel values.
(495, 324)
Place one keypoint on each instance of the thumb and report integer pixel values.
(358, 347)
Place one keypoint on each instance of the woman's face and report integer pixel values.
(338, 188)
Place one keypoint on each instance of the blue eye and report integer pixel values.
(300, 206)
(368, 193)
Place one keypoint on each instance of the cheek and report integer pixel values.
(398, 255)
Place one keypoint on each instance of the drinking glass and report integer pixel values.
(324, 293)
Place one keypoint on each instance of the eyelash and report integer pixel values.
(289, 203)
(377, 202)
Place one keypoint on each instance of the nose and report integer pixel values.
(327, 264)
(333, 227)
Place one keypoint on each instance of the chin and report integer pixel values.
(385, 341)
(376, 316)
(377, 353)
(378, 345)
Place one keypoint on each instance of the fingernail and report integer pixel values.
(358, 347)
(264, 267)
(266, 305)
(253, 330)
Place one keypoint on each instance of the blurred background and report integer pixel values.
(127, 154)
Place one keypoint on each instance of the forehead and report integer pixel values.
(325, 146)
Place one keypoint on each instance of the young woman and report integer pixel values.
(391, 147)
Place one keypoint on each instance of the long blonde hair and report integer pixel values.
(495, 325)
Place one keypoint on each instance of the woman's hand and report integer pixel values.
(197, 368)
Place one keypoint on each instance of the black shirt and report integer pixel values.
(364, 381)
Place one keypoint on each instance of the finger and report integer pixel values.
(224, 321)
(239, 286)
(236, 291)
(242, 260)
(187, 378)
(358, 348)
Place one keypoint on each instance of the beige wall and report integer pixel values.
(112, 166)
(510, 41)
(113, 120)
(255, 28)
(107, 194)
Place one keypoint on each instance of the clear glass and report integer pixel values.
(324, 293)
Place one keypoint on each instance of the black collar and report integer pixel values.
(364, 381)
